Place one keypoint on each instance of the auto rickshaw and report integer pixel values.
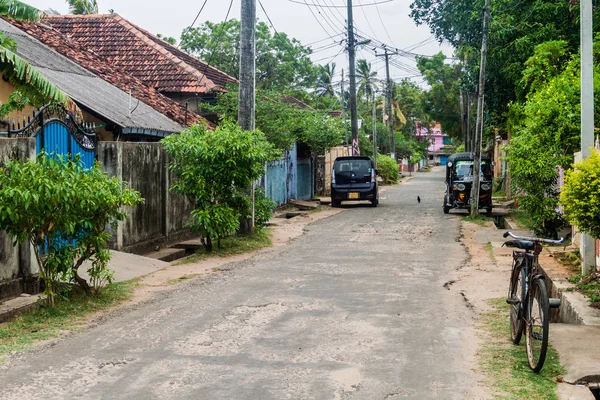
(459, 180)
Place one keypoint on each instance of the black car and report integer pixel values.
(459, 179)
(354, 178)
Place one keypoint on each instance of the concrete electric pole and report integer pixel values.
(352, 59)
(374, 131)
(343, 101)
(480, 103)
(390, 106)
(588, 244)
(247, 97)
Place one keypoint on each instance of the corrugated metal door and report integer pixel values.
(276, 181)
(57, 140)
(305, 179)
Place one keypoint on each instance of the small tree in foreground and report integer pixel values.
(388, 169)
(214, 170)
(580, 197)
(63, 210)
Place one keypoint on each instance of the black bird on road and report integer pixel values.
(419, 199)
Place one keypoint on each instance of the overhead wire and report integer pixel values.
(212, 53)
(199, 12)
(267, 15)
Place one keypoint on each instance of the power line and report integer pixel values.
(334, 6)
(382, 24)
(212, 53)
(318, 21)
(199, 12)
(267, 15)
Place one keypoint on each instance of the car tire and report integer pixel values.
(336, 204)
(374, 202)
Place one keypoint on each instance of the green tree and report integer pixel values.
(324, 82)
(442, 101)
(32, 87)
(281, 62)
(168, 39)
(83, 6)
(366, 80)
(214, 169)
(580, 196)
(284, 124)
(546, 131)
(63, 210)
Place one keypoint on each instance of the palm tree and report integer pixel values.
(366, 84)
(28, 81)
(83, 6)
(325, 80)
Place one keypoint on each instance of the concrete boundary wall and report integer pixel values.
(161, 220)
(17, 263)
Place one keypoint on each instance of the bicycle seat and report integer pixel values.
(527, 245)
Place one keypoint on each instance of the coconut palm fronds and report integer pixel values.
(22, 71)
(19, 11)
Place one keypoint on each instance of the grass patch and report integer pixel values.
(521, 218)
(182, 278)
(589, 286)
(234, 245)
(490, 249)
(505, 364)
(478, 219)
(570, 259)
(69, 314)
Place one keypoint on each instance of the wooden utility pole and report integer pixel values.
(352, 59)
(247, 97)
(480, 106)
(588, 244)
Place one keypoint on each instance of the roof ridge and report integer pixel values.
(80, 16)
(137, 31)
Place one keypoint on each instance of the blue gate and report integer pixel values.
(305, 179)
(276, 181)
(56, 132)
(443, 159)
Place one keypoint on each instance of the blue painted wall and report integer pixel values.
(305, 179)
(276, 181)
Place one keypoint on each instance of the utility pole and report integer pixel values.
(343, 100)
(588, 244)
(247, 97)
(374, 131)
(390, 106)
(352, 58)
(480, 103)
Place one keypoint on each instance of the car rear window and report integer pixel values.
(355, 166)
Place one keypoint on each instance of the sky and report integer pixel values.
(385, 21)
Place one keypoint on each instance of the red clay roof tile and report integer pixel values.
(89, 60)
(140, 53)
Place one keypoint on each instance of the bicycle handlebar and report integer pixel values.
(533, 239)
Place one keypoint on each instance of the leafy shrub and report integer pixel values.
(63, 210)
(214, 169)
(388, 169)
(580, 197)
(263, 207)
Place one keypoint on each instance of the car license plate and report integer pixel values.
(353, 195)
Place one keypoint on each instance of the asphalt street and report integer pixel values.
(353, 309)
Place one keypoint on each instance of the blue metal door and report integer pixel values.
(443, 159)
(54, 138)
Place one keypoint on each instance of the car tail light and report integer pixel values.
(373, 175)
(333, 175)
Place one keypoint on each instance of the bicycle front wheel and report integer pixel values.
(515, 297)
(538, 324)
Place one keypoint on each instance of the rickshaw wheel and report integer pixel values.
(446, 209)
(488, 211)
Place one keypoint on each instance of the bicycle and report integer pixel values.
(528, 298)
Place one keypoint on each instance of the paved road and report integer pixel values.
(354, 309)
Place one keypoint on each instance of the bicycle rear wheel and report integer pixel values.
(538, 324)
(515, 299)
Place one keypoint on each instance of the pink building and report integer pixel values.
(438, 141)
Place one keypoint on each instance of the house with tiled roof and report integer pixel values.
(160, 65)
(124, 107)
